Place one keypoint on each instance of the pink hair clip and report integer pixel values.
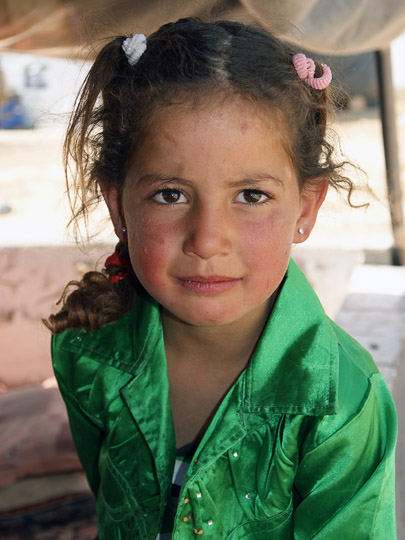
(305, 68)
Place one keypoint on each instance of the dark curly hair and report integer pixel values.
(184, 61)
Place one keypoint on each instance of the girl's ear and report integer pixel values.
(112, 197)
(312, 198)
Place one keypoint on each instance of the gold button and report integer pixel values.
(195, 460)
(185, 501)
(185, 518)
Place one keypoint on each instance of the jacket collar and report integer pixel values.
(295, 365)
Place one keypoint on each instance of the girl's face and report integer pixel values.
(212, 207)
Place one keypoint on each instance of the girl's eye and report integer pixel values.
(252, 196)
(169, 196)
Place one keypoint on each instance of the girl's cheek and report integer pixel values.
(267, 235)
(150, 249)
(148, 266)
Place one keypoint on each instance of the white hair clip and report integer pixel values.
(134, 47)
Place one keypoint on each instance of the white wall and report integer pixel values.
(398, 61)
(61, 78)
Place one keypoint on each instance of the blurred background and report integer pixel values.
(354, 257)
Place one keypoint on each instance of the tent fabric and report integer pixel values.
(77, 28)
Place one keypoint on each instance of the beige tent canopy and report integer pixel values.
(59, 27)
(77, 28)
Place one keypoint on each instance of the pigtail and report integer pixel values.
(84, 134)
(98, 299)
(316, 157)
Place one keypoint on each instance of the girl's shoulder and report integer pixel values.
(83, 361)
(80, 357)
(352, 373)
(100, 345)
(359, 379)
(363, 399)
(352, 353)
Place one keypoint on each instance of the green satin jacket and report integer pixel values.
(301, 447)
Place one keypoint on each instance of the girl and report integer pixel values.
(207, 142)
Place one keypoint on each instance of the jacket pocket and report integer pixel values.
(112, 493)
(118, 514)
(279, 527)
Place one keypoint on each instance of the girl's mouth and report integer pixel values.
(208, 284)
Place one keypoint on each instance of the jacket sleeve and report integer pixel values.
(86, 433)
(345, 482)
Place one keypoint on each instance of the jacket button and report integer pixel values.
(210, 522)
(185, 501)
(198, 495)
(247, 495)
(235, 454)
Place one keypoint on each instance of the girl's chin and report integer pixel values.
(204, 318)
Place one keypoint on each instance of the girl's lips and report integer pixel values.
(208, 285)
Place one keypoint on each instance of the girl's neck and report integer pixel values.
(215, 347)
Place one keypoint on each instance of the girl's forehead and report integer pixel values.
(215, 110)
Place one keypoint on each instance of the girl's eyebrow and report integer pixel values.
(247, 181)
(256, 178)
(156, 178)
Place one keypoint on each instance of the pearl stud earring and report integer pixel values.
(301, 230)
(123, 230)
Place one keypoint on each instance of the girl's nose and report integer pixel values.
(208, 233)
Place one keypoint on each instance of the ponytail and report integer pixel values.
(97, 299)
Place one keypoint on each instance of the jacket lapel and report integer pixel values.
(147, 394)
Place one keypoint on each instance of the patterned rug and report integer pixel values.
(82, 529)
